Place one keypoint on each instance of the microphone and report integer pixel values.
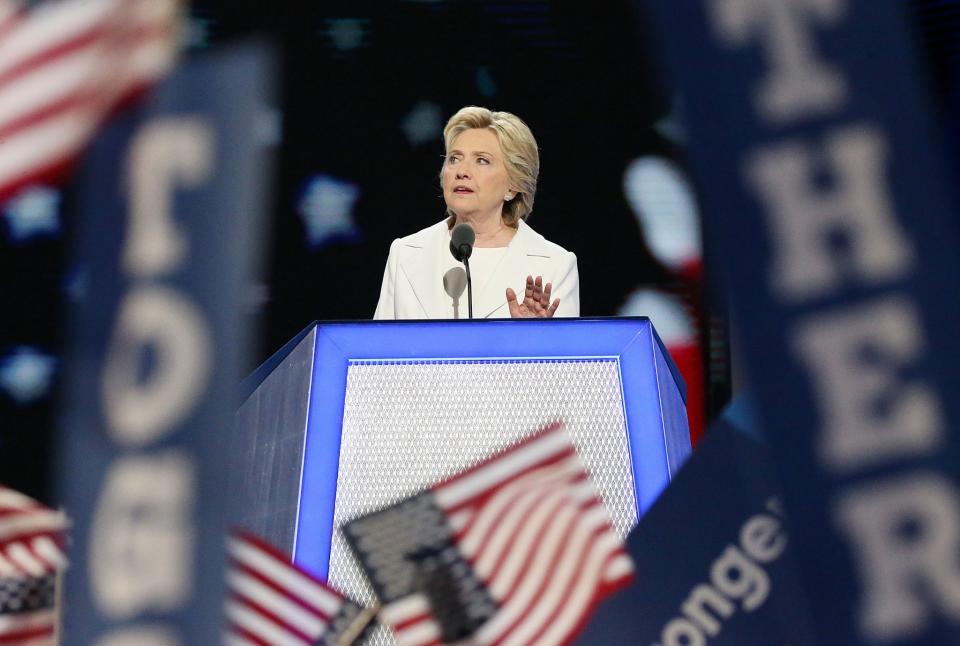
(461, 246)
(461, 241)
(455, 283)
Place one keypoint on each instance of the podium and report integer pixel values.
(348, 417)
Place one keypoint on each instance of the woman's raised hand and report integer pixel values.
(536, 300)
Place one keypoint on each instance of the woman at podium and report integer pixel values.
(489, 179)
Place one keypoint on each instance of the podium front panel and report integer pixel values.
(408, 425)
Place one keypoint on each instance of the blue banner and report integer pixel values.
(713, 557)
(818, 163)
(170, 200)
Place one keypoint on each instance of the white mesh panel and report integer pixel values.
(407, 425)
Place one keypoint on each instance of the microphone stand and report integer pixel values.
(466, 264)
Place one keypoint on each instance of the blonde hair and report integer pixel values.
(521, 156)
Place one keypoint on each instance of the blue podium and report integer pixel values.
(351, 416)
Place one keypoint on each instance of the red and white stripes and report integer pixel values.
(31, 552)
(270, 600)
(31, 537)
(64, 66)
(530, 524)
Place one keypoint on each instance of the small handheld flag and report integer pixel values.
(518, 549)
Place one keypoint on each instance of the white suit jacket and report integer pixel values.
(413, 279)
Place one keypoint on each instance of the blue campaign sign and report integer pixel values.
(713, 557)
(817, 159)
(169, 202)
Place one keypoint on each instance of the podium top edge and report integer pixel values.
(625, 328)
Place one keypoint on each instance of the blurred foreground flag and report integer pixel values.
(517, 550)
(64, 66)
(31, 554)
(272, 601)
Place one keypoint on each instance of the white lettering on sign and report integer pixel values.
(156, 371)
(165, 155)
(680, 632)
(832, 225)
(158, 364)
(906, 537)
(140, 636)
(735, 575)
(798, 83)
(821, 236)
(870, 413)
(142, 536)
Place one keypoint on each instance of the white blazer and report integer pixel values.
(413, 279)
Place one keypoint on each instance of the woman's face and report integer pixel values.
(474, 177)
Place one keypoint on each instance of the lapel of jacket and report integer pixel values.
(420, 262)
(512, 271)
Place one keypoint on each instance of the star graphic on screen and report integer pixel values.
(423, 124)
(33, 213)
(26, 374)
(326, 207)
(346, 34)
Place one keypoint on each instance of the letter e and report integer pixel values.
(850, 387)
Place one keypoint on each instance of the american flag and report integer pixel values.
(64, 67)
(517, 550)
(31, 553)
(273, 602)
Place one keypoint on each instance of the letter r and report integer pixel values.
(905, 535)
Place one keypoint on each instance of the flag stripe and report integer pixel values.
(16, 68)
(491, 511)
(279, 621)
(534, 450)
(236, 638)
(544, 563)
(405, 609)
(55, 86)
(267, 563)
(21, 556)
(423, 633)
(537, 541)
(42, 640)
(278, 588)
(555, 566)
(537, 567)
(49, 25)
(8, 569)
(505, 552)
(11, 500)
(64, 67)
(273, 601)
(550, 595)
(560, 618)
(547, 500)
(10, 623)
(269, 599)
(38, 637)
(619, 568)
(48, 142)
(48, 550)
(81, 82)
(260, 626)
(30, 554)
(11, 13)
(31, 523)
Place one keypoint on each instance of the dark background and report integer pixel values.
(365, 90)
